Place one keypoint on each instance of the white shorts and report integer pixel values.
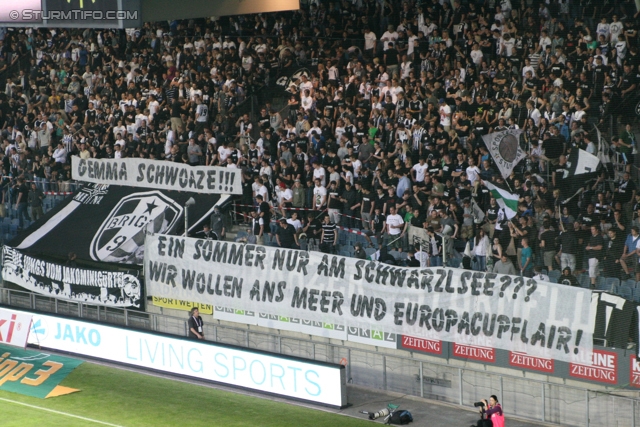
(593, 267)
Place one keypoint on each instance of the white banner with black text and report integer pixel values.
(465, 307)
(158, 174)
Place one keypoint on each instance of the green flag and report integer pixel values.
(506, 200)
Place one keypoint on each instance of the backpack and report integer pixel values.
(401, 417)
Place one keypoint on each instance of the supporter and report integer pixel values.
(401, 102)
(504, 266)
(329, 238)
(567, 278)
(286, 236)
(594, 253)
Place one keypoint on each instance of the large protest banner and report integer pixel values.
(108, 288)
(486, 309)
(157, 174)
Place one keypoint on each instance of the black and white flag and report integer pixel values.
(613, 319)
(113, 288)
(108, 223)
(505, 149)
(581, 167)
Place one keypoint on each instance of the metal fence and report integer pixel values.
(384, 369)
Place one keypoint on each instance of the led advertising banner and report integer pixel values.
(14, 327)
(270, 373)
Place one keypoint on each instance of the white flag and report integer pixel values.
(505, 149)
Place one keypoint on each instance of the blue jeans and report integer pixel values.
(22, 212)
(481, 263)
(435, 261)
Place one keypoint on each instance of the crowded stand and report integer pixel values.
(355, 123)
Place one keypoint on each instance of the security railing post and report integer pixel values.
(421, 380)
(460, 399)
(384, 372)
(586, 411)
(348, 364)
(542, 389)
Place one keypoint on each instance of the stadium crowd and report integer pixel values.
(381, 128)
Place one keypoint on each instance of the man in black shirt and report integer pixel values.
(313, 228)
(21, 202)
(349, 199)
(264, 211)
(286, 235)
(615, 247)
(548, 244)
(568, 247)
(594, 251)
(567, 278)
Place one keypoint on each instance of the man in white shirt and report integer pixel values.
(476, 54)
(295, 222)
(445, 115)
(419, 170)
(319, 196)
(223, 153)
(533, 113)
(603, 28)
(473, 173)
(389, 36)
(615, 28)
(395, 228)
(319, 173)
(60, 154)
(370, 39)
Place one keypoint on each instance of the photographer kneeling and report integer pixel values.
(490, 414)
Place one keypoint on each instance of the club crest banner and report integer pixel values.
(107, 223)
(505, 149)
(465, 307)
(158, 174)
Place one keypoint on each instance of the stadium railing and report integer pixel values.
(409, 373)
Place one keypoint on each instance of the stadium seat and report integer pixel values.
(625, 292)
(600, 283)
(454, 262)
(630, 283)
(554, 275)
(370, 251)
(611, 282)
(395, 254)
(584, 280)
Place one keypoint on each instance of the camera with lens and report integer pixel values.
(478, 404)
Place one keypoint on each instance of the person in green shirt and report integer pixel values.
(373, 130)
(526, 258)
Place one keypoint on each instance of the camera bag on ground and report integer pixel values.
(484, 423)
(401, 417)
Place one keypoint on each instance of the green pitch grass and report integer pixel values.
(122, 398)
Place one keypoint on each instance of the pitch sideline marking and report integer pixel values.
(59, 412)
